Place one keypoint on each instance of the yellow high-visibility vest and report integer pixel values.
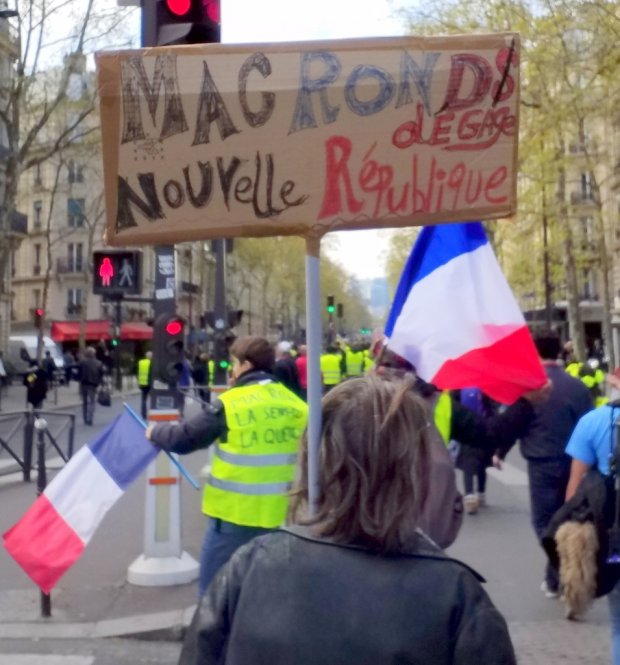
(442, 415)
(355, 362)
(252, 471)
(144, 367)
(331, 369)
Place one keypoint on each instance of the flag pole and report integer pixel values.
(175, 461)
(313, 340)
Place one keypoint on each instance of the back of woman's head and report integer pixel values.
(373, 464)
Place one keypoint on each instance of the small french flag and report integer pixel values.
(53, 533)
(455, 319)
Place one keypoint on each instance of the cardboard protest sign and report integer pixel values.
(223, 140)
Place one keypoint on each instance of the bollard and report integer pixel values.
(28, 445)
(40, 425)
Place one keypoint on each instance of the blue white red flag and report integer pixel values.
(55, 530)
(455, 319)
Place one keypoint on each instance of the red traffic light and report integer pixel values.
(174, 327)
(211, 9)
(179, 7)
(39, 311)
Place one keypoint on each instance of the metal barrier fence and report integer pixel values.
(17, 439)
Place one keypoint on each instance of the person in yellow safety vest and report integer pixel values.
(455, 421)
(145, 381)
(593, 378)
(354, 359)
(256, 427)
(331, 368)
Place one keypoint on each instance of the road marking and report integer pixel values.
(509, 475)
(40, 659)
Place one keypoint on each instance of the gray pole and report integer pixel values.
(313, 339)
(219, 307)
(40, 425)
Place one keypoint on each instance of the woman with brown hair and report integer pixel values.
(354, 581)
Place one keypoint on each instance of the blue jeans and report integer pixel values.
(548, 479)
(89, 395)
(614, 616)
(220, 542)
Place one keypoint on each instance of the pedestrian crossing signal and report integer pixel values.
(117, 272)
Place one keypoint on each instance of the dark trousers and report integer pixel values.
(468, 480)
(220, 542)
(548, 479)
(145, 390)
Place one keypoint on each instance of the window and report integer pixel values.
(74, 301)
(37, 210)
(74, 257)
(588, 285)
(76, 172)
(75, 212)
(37, 175)
(586, 186)
(37, 259)
(36, 297)
(587, 232)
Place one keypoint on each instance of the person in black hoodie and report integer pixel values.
(35, 381)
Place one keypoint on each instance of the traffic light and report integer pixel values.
(117, 272)
(221, 344)
(340, 310)
(234, 317)
(331, 308)
(167, 22)
(168, 335)
(38, 317)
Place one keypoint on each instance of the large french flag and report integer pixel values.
(456, 320)
(53, 533)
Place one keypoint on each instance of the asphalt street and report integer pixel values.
(498, 542)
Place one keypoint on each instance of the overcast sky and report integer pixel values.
(360, 252)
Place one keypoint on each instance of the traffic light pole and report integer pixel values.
(220, 377)
(164, 562)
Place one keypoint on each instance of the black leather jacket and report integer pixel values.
(288, 599)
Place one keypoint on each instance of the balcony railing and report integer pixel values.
(73, 311)
(582, 147)
(67, 266)
(579, 197)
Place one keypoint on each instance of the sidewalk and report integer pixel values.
(13, 397)
(107, 607)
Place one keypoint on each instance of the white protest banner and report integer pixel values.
(222, 140)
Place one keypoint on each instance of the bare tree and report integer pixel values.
(52, 36)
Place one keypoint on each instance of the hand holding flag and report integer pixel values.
(455, 319)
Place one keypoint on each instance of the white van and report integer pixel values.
(23, 348)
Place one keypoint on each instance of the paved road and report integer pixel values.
(498, 542)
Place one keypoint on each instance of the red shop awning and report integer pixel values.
(136, 331)
(69, 331)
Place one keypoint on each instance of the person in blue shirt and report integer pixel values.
(591, 444)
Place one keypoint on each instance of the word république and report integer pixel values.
(254, 181)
